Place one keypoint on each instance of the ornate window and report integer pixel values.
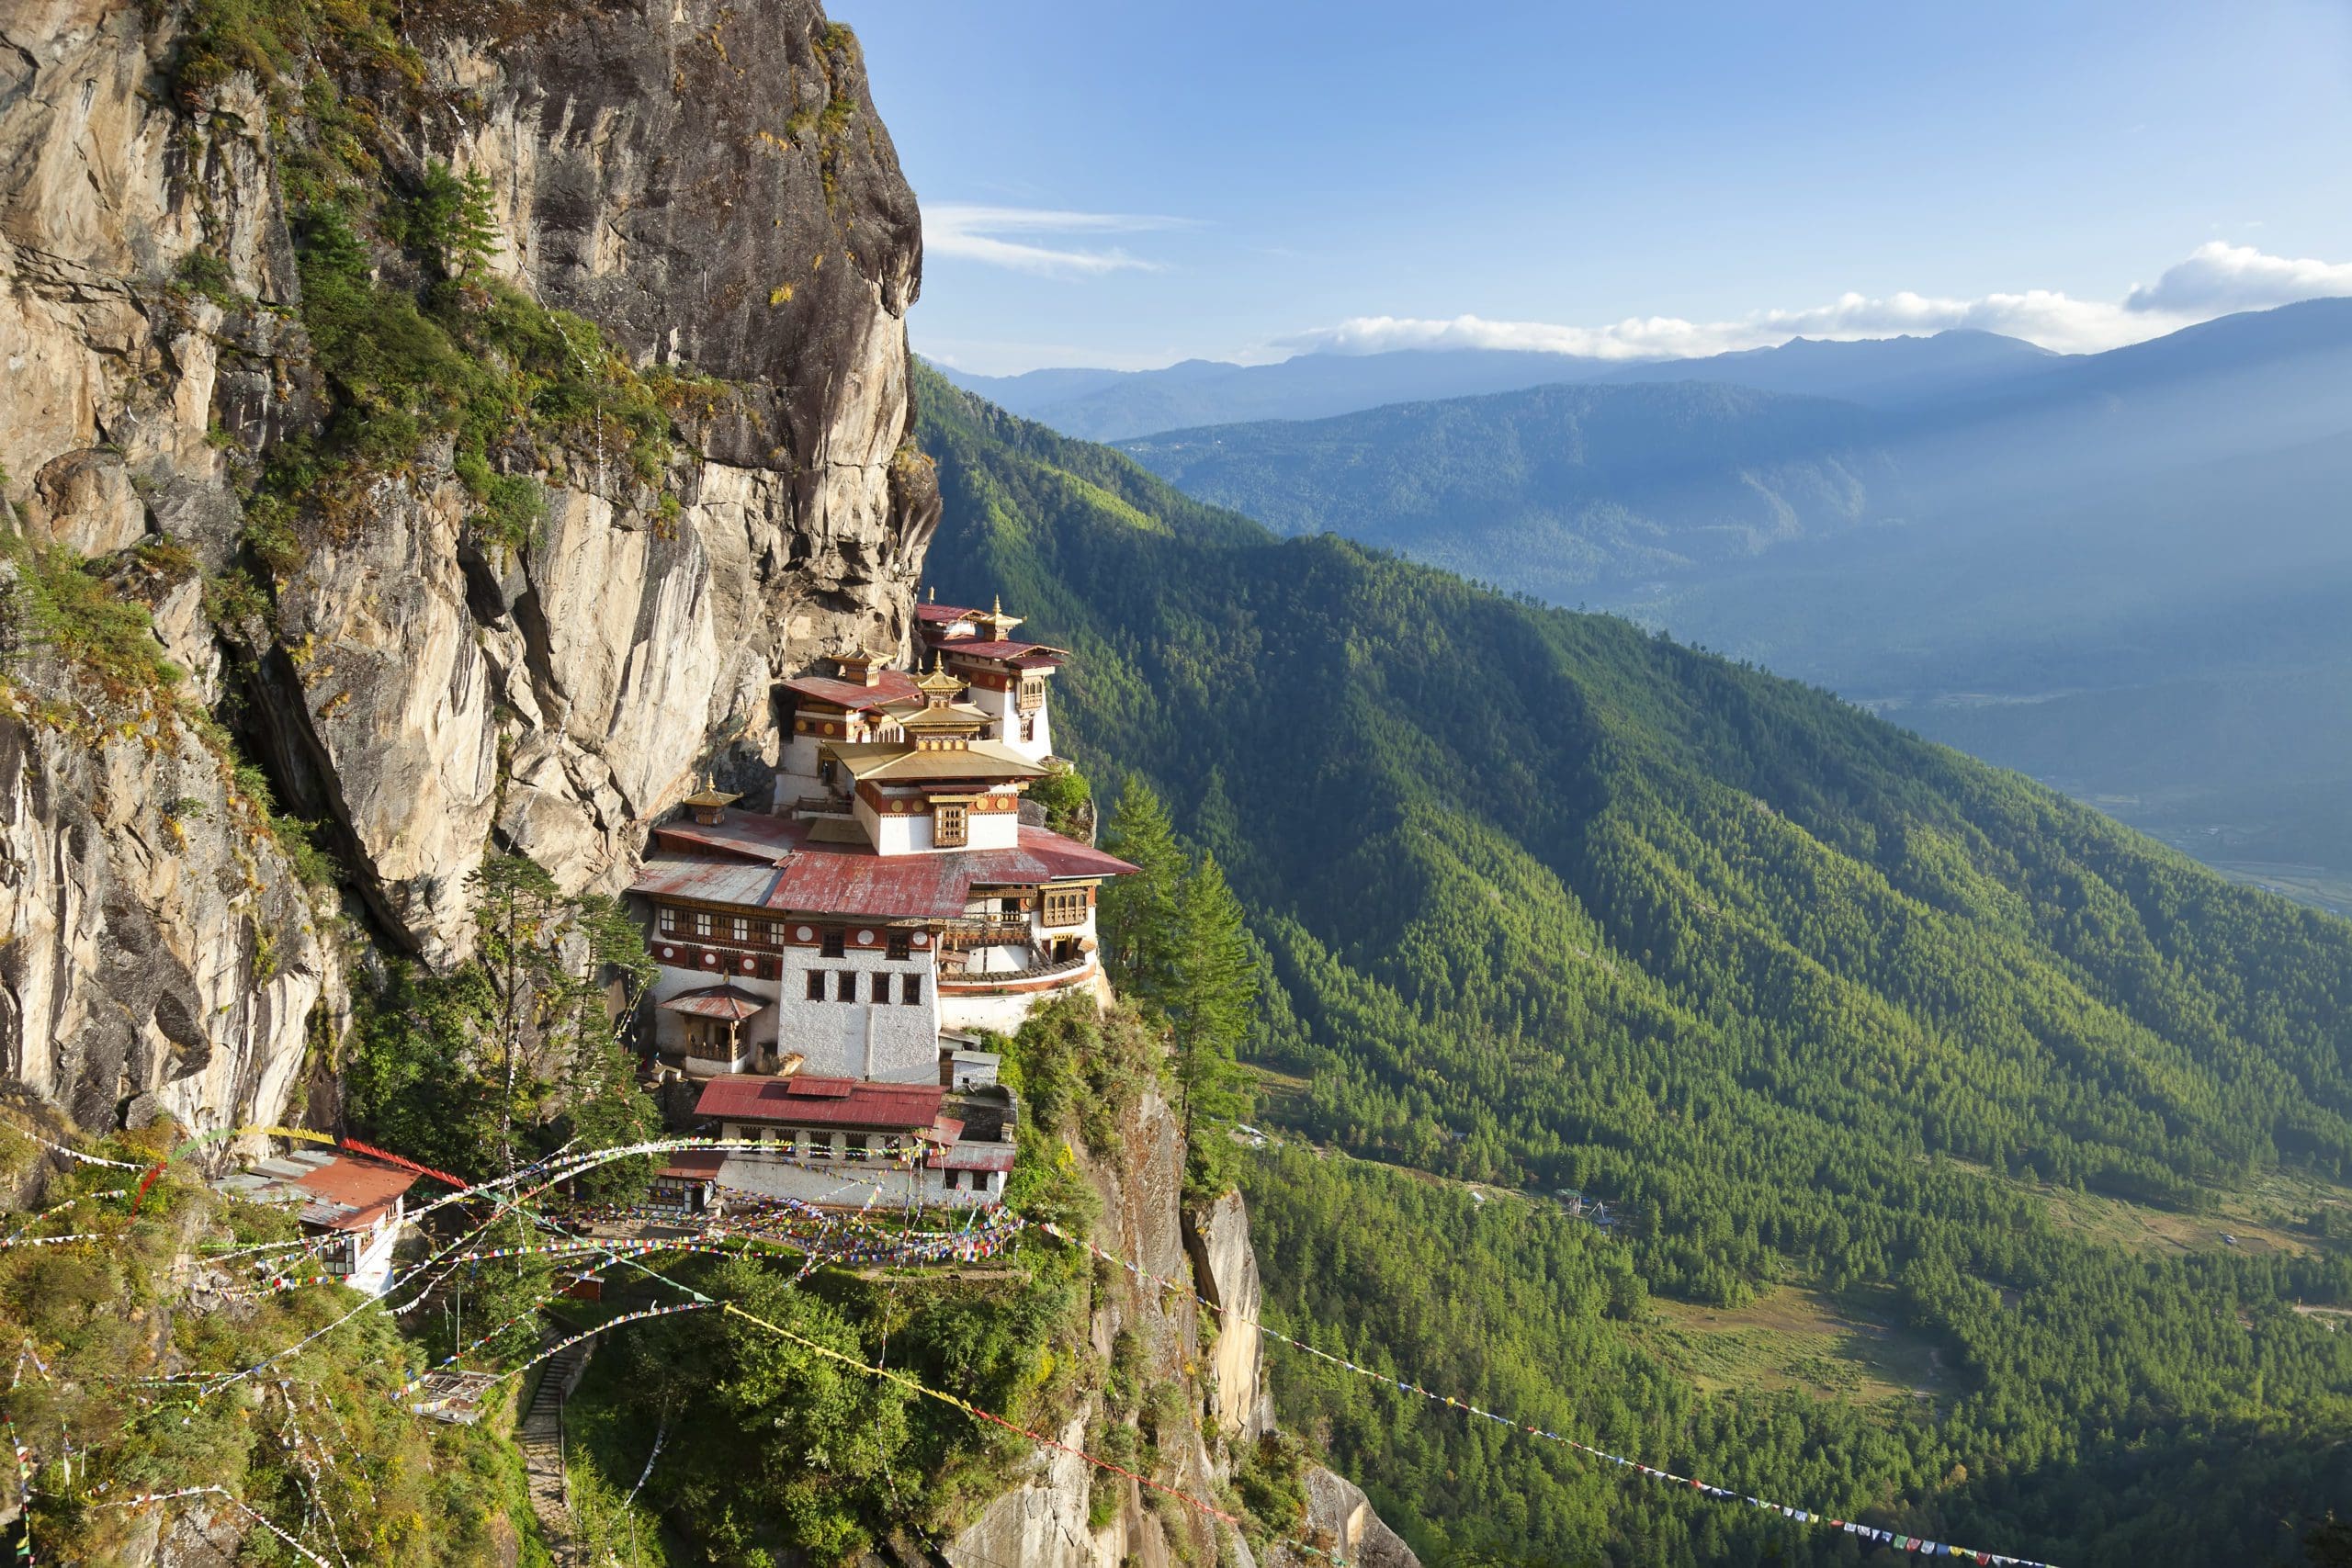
(1033, 693)
(741, 927)
(950, 826)
(702, 922)
(899, 948)
(1065, 907)
(667, 920)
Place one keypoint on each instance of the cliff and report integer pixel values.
(706, 189)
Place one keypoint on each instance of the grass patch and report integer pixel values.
(1845, 1347)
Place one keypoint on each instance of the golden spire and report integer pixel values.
(938, 686)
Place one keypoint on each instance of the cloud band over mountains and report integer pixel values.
(2212, 280)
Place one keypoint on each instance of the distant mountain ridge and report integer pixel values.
(1114, 405)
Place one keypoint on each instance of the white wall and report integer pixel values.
(1004, 1014)
(888, 1041)
(848, 1184)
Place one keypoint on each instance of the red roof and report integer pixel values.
(716, 1001)
(754, 835)
(891, 686)
(897, 1106)
(695, 1165)
(972, 648)
(942, 615)
(853, 881)
(972, 1156)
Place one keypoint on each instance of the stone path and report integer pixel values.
(541, 1441)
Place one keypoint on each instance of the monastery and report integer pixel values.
(824, 957)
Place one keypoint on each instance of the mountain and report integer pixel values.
(1935, 1114)
(1880, 372)
(1557, 491)
(2171, 514)
(1109, 405)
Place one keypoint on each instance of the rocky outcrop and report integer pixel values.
(1042, 1522)
(157, 952)
(1340, 1522)
(710, 186)
(1226, 1266)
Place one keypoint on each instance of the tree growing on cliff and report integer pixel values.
(1139, 911)
(1211, 1004)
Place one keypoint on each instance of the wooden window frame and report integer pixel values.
(816, 984)
(665, 920)
(845, 984)
(910, 990)
(901, 948)
(703, 925)
(951, 825)
(1062, 907)
(834, 944)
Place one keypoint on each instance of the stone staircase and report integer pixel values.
(540, 1437)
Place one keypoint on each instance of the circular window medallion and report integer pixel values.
(922, 939)
(711, 959)
(801, 725)
(747, 966)
(669, 953)
(865, 939)
(803, 934)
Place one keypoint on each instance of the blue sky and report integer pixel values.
(1108, 183)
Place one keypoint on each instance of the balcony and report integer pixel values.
(987, 931)
(1030, 976)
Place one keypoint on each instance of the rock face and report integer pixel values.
(710, 186)
(1340, 1520)
(1226, 1266)
(156, 952)
(1042, 1522)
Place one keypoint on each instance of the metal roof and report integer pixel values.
(1000, 650)
(717, 1001)
(853, 881)
(669, 874)
(754, 835)
(972, 1156)
(890, 686)
(944, 614)
(338, 1191)
(881, 1106)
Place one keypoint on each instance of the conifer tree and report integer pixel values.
(1214, 995)
(1138, 915)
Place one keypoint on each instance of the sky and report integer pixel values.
(1110, 183)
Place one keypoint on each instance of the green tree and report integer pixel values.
(1212, 1001)
(1138, 916)
(455, 218)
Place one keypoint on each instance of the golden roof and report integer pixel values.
(882, 762)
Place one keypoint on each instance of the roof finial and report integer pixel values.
(934, 593)
(999, 610)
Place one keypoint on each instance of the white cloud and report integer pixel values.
(976, 232)
(2214, 280)
(2219, 277)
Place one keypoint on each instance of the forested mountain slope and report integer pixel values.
(1555, 904)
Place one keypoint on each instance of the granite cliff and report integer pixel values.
(708, 188)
